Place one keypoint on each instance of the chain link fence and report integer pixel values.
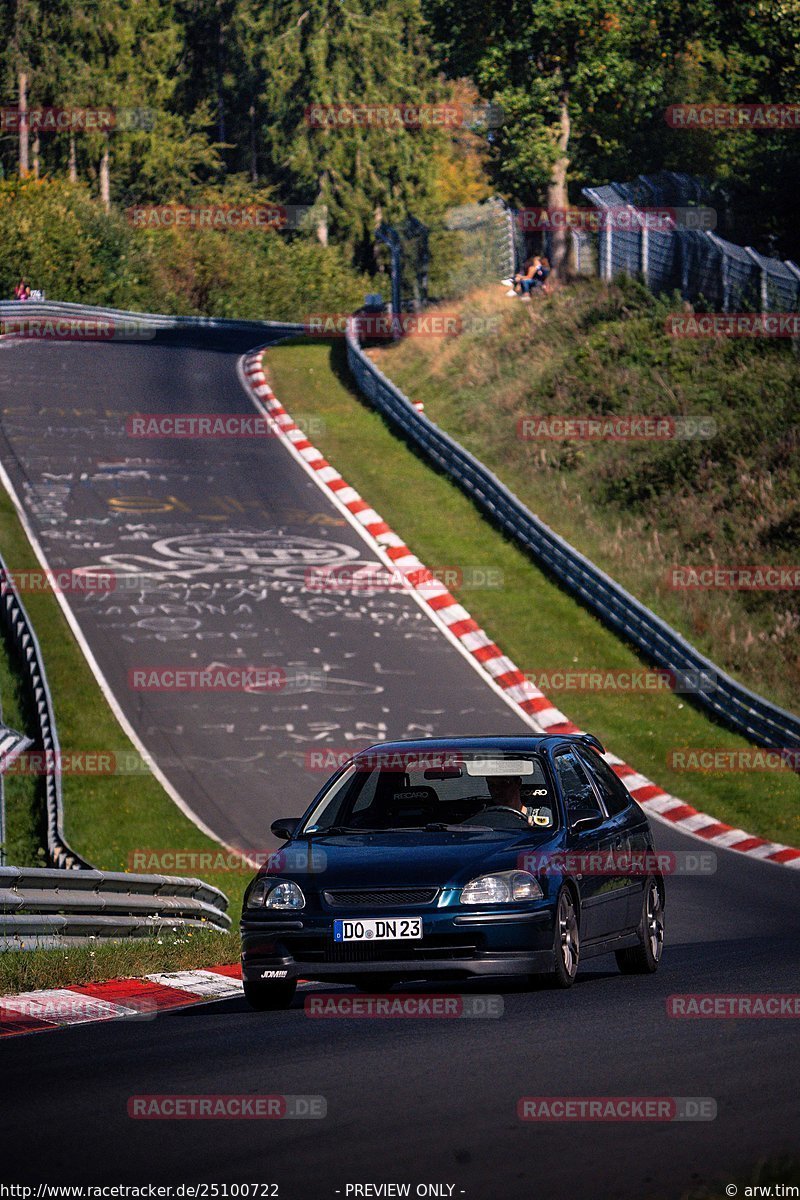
(696, 262)
(476, 245)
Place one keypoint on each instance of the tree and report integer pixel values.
(355, 52)
(573, 77)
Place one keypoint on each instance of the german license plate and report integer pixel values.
(378, 929)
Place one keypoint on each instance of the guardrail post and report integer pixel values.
(645, 250)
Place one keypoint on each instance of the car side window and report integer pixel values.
(615, 795)
(580, 800)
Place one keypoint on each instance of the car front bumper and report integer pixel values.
(456, 944)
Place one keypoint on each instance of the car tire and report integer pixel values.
(266, 997)
(566, 941)
(644, 958)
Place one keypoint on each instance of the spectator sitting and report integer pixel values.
(19, 290)
(524, 281)
(540, 278)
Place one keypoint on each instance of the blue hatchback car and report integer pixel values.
(456, 857)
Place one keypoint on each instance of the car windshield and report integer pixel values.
(440, 791)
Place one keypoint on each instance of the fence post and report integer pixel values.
(793, 267)
(724, 272)
(391, 238)
(607, 245)
(762, 271)
(644, 235)
(511, 217)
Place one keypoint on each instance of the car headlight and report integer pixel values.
(501, 888)
(266, 893)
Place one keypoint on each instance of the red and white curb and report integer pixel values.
(117, 999)
(498, 670)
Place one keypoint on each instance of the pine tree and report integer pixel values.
(356, 52)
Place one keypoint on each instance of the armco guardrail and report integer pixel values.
(125, 325)
(20, 634)
(38, 902)
(758, 719)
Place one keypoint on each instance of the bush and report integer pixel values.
(64, 243)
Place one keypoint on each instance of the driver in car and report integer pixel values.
(506, 792)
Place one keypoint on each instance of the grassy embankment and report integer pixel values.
(638, 508)
(530, 617)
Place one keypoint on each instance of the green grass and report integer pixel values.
(533, 620)
(107, 817)
(29, 970)
(638, 508)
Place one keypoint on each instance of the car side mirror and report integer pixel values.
(285, 827)
(592, 821)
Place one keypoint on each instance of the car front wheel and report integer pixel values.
(644, 958)
(265, 997)
(567, 941)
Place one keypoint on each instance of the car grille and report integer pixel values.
(381, 898)
(310, 950)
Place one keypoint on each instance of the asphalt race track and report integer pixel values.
(209, 542)
(434, 1100)
(409, 1101)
